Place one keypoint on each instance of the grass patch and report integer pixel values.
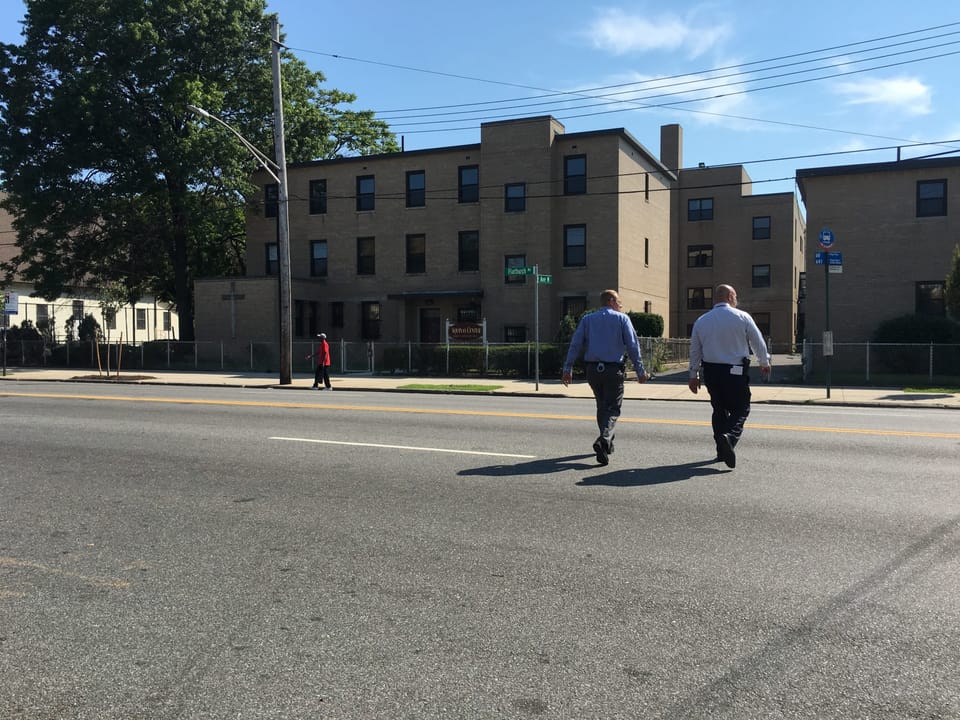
(937, 390)
(431, 387)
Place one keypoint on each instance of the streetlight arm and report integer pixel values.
(269, 165)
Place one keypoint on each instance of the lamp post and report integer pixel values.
(278, 172)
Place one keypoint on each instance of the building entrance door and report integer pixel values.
(431, 329)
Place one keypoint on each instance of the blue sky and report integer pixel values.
(436, 69)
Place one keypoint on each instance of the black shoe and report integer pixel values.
(726, 451)
(599, 447)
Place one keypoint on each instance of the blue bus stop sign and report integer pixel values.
(826, 238)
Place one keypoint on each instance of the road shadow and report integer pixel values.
(638, 477)
(626, 477)
(540, 466)
(916, 396)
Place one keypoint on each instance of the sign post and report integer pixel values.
(827, 239)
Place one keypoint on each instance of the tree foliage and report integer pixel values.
(108, 176)
(952, 287)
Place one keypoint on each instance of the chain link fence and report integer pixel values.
(425, 359)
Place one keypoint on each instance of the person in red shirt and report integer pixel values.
(323, 364)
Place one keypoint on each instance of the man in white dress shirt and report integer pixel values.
(720, 347)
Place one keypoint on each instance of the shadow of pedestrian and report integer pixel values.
(638, 477)
(540, 466)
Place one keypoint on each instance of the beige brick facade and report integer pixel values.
(719, 243)
(630, 220)
(888, 243)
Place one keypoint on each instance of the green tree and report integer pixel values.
(952, 287)
(108, 175)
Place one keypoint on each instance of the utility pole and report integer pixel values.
(283, 217)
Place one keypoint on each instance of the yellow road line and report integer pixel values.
(472, 413)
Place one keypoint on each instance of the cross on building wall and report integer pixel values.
(233, 296)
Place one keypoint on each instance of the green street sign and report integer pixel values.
(545, 279)
(518, 271)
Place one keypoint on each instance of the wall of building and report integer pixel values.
(530, 151)
(886, 248)
(735, 251)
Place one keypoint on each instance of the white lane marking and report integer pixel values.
(404, 447)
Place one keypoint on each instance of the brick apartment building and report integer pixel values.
(895, 225)
(726, 234)
(389, 247)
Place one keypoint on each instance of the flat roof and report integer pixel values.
(864, 168)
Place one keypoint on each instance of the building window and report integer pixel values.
(366, 188)
(468, 184)
(761, 227)
(416, 254)
(646, 187)
(271, 259)
(514, 261)
(648, 306)
(468, 252)
(931, 198)
(468, 313)
(298, 318)
(699, 256)
(574, 245)
(762, 319)
(699, 209)
(930, 298)
(646, 252)
(271, 200)
(574, 306)
(78, 310)
(515, 197)
(141, 319)
(336, 314)
(43, 315)
(110, 318)
(366, 256)
(167, 326)
(369, 321)
(313, 319)
(575, 175)
(699, 298)
(761, 276)
(515, 334)
(416, 188)
(318, 258)
(318, 197)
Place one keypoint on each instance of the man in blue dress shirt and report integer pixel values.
(720, 348)
(601, 338)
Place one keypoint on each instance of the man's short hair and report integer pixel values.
(608, 295)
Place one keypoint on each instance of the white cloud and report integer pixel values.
(620, 33)
(905, 94)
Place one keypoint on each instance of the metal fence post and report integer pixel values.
(931, 363)
(868, 362)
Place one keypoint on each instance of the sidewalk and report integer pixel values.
(671, 387)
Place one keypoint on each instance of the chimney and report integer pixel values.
(671, 146)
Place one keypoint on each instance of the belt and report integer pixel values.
(600, 365)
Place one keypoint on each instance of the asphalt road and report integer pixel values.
(227, 553)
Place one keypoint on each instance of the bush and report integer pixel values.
(647, 324)
(917, 329)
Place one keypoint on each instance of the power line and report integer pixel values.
(639, 104)
(575, 93)
(668, 81)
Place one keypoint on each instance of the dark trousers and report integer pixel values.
(607, 389)
(322, 374)
(730, 399)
